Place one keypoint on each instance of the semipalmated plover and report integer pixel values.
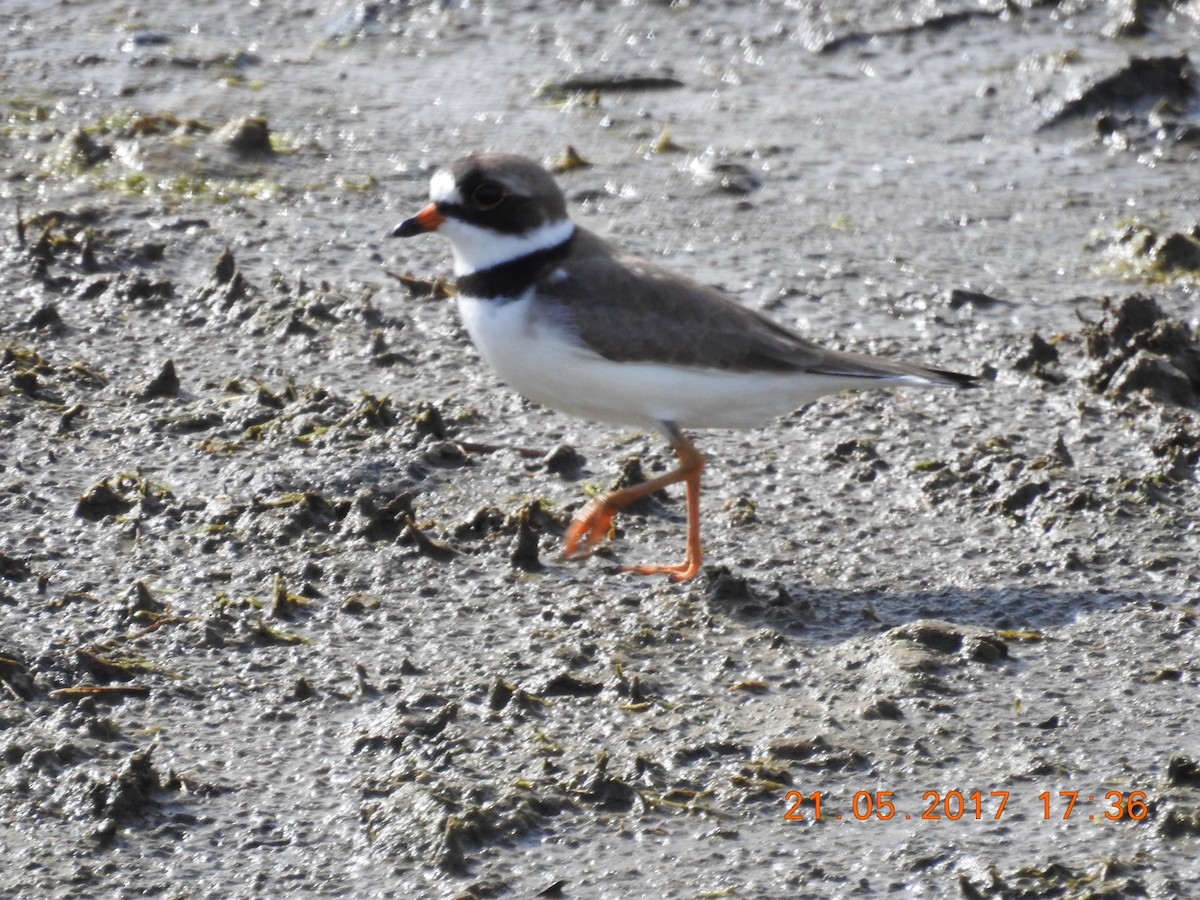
(577, 326)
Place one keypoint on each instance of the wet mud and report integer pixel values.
(281, 609)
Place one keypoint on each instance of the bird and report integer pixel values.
(573, 324)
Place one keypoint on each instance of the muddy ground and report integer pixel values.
(280, 604)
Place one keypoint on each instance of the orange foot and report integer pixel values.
(685, 571)
(590, 525)
(593, 523)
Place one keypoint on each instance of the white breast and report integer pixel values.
(544, 362)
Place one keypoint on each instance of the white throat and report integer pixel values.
(476, 249)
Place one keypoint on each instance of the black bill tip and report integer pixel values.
(408, 228)
(428, 219)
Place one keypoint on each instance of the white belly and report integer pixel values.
(541, 361)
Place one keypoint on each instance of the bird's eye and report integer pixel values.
(488, 195)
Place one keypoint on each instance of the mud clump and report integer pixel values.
(1180, 448)
(14, 569)
(1178, 252)
(818, 754)
(942, 641)
(1141, 81)
(247, 136)
(1183, 771)
(1138, 348)
(1144, 252)
(164, 384)
(1041, 360)
(528, 525)
(862, 456)
(116, 496)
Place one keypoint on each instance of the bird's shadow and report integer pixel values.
(829, 615)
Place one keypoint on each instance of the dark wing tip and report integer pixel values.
(958, 379)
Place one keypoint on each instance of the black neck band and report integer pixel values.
(509, 280)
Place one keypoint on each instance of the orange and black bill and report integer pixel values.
(428, 219)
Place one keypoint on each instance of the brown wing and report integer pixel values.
(666, 318)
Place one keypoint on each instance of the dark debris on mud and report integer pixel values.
(1134, 356)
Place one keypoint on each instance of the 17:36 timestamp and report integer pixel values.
(974, 805)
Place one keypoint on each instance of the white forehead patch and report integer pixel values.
(442, 188)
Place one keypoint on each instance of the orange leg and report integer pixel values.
(593, 522)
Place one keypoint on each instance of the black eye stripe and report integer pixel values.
(489, 194)
(451, 210)
(513, 219)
